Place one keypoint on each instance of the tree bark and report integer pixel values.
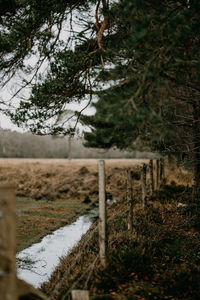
(196, 151)
(143, 184)
(151, 170)
(157, 174)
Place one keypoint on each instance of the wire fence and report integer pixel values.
(89, 270)
(156, 175)
(67, 272)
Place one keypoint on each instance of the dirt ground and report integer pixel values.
(53, 192)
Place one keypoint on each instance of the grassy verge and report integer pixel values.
(38, 218)
(159, 260)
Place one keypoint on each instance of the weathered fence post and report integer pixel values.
(69, 147)
(157, 174)
(130, 199)
(102, 214)
(151, 176)
(8, 283)
(162, 170)
(80, 295)
(165, 168)
(143, 184)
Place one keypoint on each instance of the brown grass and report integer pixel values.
(160, 243)
(50, 178)
(35, 219)
(179, 176)
(51, 192)
(158, 261)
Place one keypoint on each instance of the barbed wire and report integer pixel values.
(58, 285)
(91, 266)
(90, 273)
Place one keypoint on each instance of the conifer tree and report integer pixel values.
(156, 98)
(140, 59)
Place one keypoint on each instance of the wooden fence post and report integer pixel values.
(165, 168)
(143, 184)
(130, 199)
(162, 170)
(102, 214)
(80, 295)
(69, 147)
(8, 283)
(157, 174)
(151, 176)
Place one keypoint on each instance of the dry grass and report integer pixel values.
(36, 219)
(179, 176)
(160, 260)
(151, 263)
(51, 192)
(50, 178)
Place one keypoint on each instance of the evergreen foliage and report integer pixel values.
(156, 65)
(140, 59)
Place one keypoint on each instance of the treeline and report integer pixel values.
(27, 145)
(19, 145)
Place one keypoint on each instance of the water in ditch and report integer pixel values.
(37, 262)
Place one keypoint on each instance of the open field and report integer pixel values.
(53, 192)
(158, 260)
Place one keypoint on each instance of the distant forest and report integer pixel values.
(22, 145)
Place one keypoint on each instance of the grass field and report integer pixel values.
(159, 259)
(52, 192)
(36, 219)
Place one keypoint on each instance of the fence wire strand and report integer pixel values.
(58, 285)
(91, 266)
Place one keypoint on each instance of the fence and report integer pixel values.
(156, 171)
(11, 288)
(8, 284)
(8, 281)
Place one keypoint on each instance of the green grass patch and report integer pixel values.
(38, 218)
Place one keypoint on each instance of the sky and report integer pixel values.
(6, 123)
(15, 83)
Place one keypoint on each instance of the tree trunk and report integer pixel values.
(196, 151)
(143, 184)
(151, 170)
